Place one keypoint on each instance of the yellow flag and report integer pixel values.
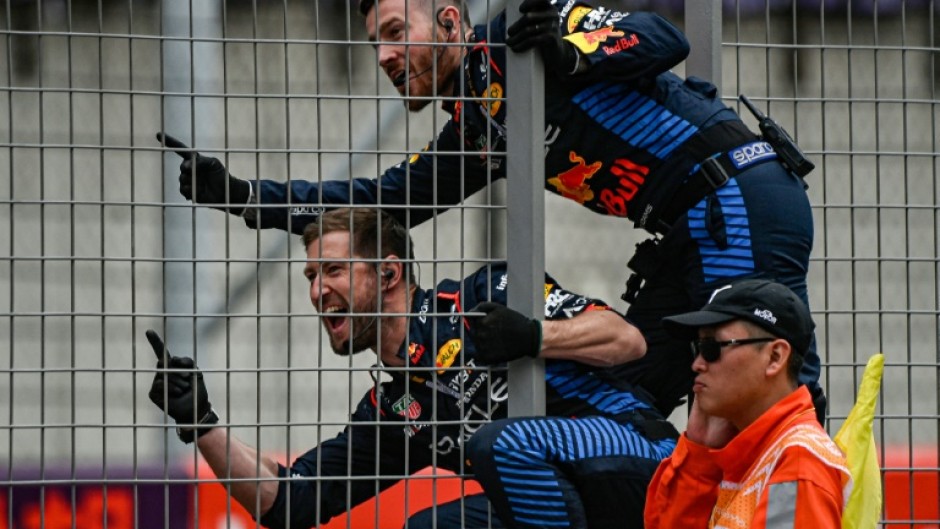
(855, 438)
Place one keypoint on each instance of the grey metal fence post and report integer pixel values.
(525, 201)
(188, 67)
(703, 29)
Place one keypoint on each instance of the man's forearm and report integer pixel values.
(598, 338)
(254, 484)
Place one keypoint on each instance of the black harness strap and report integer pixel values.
(653, 426)
(734, 154)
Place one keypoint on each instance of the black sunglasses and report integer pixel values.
(710, 349)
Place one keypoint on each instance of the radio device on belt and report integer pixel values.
(646, 260)
(788, 153)
(644, 263)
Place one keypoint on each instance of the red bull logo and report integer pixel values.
(590, 41)
(631, 177)
(573, 182)
(622, 44)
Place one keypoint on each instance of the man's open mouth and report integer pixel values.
(335, 317)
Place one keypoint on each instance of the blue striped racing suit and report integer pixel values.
(628, 138)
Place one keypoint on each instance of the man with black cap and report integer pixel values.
(753, 454)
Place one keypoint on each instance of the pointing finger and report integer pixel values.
(176, 145)
(157, 343)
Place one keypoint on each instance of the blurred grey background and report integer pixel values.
(96, 245)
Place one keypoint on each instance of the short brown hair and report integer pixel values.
(366, 5)
(368, 228)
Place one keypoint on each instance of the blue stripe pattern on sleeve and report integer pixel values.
(572, 383)
(738, 258)
(635, 118)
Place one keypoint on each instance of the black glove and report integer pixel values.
(182, 395)
(211, 179)
(540, 27)
(503, 334)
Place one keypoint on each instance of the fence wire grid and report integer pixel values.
(98, 245)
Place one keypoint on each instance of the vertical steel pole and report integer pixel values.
(188, 68)
(703, 29)
(525, 202)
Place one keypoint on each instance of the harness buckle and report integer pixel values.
(714, 173)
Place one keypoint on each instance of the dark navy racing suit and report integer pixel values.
(427, 412)
(629, 139)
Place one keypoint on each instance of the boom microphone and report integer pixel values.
(400, 80)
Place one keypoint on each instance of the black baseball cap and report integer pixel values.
(767, 304)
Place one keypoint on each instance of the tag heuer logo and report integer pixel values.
(407, 407)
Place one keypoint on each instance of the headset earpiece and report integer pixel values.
(388, 274)
(446, 23)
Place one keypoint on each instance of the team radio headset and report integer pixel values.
(448, 25)
(387, 275)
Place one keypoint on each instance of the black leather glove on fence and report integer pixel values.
(540, 27)
(181, 394)
(503, 334)
(204, 180)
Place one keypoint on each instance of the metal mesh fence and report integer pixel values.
(98, 246)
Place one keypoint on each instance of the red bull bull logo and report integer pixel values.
(415, 352)
(588, 42)
(573, 182)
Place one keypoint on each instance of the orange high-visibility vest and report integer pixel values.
(782, 471)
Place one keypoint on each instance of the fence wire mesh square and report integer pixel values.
(97, 245)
